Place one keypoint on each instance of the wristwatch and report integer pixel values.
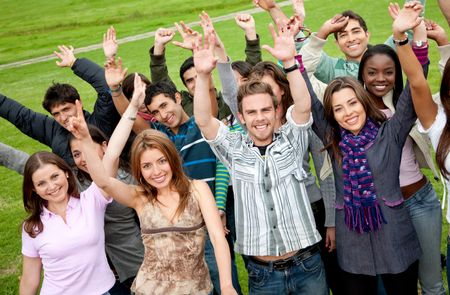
(420, 43)
(401, 42)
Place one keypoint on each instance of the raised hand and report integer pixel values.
(265, 4)
(299, 8)
(187, 34)
(77, 124)
(110, 44)
(208, 29)
(283, 39)
(436, 32)
(139, 91)
(407, 18)
(245, 21)
(333, 25)
(203, 52)
(114, 73)
(66, 55)
(162, 37)
(394, 10)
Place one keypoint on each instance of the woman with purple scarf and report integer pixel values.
(374, 233)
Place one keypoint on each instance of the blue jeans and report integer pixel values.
(304, 277)
(426, 215)
(447, 262)
(214, 270)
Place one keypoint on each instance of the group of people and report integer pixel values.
(155, 190)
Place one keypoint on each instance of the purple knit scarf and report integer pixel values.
(362, 210)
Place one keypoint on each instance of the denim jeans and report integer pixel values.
(304, 277)
(447, 262)
(214, 270)
(426, 215)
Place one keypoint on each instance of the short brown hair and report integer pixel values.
(353, 15)
(254, 87)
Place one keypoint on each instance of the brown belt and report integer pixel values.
(411, 189)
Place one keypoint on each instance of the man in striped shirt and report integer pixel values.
(274, 221)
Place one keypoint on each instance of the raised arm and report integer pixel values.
(438, 34)
(314, 58)
(252, 47)
(114, 74)
(205, 63)
(12, 158)
(408, 18)
(122, 132)
(82, 67)
(110, 45)
(272, 8)
(158, 66)
(445, 8)
(35, 125)
(284, 51)
(110, 186)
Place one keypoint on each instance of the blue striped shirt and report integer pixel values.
(199, 162)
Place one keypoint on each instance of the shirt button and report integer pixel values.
(274, 227)
(271, 209)
(267, 190)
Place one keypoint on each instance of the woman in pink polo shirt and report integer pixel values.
(63, 234)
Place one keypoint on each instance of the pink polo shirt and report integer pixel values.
(73, 253)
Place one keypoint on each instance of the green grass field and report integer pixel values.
(34, 29)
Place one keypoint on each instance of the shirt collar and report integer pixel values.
(47, 214)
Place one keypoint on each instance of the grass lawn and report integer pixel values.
(34, 29)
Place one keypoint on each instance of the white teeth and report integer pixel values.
(352, 120)
(380, 87)
(159, 179)
(260, 127)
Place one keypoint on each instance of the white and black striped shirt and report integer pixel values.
(272, 210)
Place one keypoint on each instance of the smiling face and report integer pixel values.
(348, 111)
(62, 112)
(155, 169)
(51, 184)
(167, 111)
(78, 156)
(278, 92)
(258, 115)
(189, 78)
(353, 40)
(379, 74)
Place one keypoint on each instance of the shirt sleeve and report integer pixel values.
(326, 179)
(221, 187)
(317, 61)
(224, 143)
(94, 197)
(229, 86)
(436, 129)
(28, 245)
(298, 134)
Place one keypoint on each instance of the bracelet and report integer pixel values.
(419, 44)
(291, 68)
(131, 118)
(401, 42)
(118, 89)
